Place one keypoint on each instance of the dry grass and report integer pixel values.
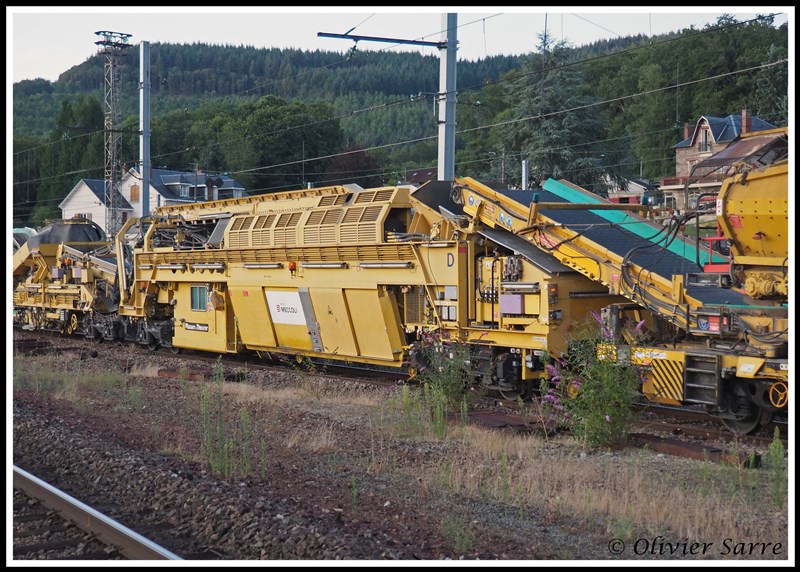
(64, 379)
(179, 448)
(144, 370)
(629, 488)
(317, 440)
(630, 492)
(248, 392)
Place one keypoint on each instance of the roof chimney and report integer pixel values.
(747, 121)
(686, 132)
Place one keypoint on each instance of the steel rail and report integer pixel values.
(131, 544)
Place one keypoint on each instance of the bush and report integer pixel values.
(445, 375)
(597, 395)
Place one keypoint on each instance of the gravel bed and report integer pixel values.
(316, 491)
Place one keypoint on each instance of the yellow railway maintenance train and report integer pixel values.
(356, 275)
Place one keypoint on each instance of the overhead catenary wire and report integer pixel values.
(538, 116)
(405, 101)
(501, 80)
(494, 82)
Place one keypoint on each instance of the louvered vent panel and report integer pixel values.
(371, 214)
(383, 196)
(315, 218)
(366, 232)
(353, 215)
(415, 305)
(261, 222)
(365, 197)
(262, 237)
(283, 220)
(282, 237)
(311, 235)
(237, 224)
(348, 234)
(287, 236)
(327, 235)
(238, 234)
(332, 200)
(332, 216)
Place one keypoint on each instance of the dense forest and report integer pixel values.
(279, 119)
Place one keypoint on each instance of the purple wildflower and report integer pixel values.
(597, 317)
(640, 327)
(608, 418)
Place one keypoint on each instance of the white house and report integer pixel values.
(87, 200)
(167, 187)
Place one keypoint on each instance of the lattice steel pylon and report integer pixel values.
(113, 46)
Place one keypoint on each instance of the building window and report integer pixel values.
(705, 144)
(238, 193)
(134, 193)
(199, 298)
(87, 216)
(184, 191)
(124, 217)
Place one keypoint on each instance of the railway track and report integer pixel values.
(676, 423)
(50, 524)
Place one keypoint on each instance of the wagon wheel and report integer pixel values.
(72, 325)
(748, 424)
(510, 394)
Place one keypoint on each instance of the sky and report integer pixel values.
(44, 42)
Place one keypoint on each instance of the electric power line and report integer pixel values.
(400, 101)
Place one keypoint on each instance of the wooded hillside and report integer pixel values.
(279, 119)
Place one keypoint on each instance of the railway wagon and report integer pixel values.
(348, 274)
(344, 274)
(63, 275)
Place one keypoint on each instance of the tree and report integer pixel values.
(772, 96)
(26, 170)
(73, 150)
(554, 123)
(651, 117)
(353, 165)
(271, 144)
